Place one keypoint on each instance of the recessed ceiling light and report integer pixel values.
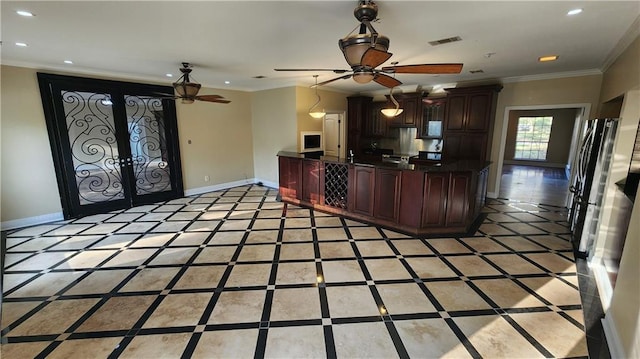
(24, 13)
(227, 82)
(68, 62)
(574, 12)
(548, 58)
(21, 44)
(169, 75)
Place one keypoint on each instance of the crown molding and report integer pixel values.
(556, 75)
(632, 33)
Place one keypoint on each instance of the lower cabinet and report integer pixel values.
(434, 208)
(458, 199)
(387, 194)
(410, 208)
(362, 180)
(311, 181)
(290, 177)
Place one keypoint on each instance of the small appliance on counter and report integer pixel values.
(390, 158)
(429, 155)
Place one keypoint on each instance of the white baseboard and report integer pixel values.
(53, 217)
(535, 163)
(605, 289)
(613, 340)
(31, 221)
(221, 186)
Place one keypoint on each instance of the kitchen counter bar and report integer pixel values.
(416, 199)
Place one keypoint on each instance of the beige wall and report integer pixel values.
(330, 101)
(29, 186)
(539, 93)
(221, 145)
(221, 139)
(274, 124)
(623, 74)
(559, 140)
(623, 315)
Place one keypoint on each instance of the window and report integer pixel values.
(532, 139)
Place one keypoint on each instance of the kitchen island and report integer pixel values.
(411, 198)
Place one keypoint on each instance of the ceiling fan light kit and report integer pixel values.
(392, 112)
(316, 113)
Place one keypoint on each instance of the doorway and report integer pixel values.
(334, 134)
(114, 144)
(582, 112)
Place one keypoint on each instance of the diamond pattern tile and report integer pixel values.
(238, 274)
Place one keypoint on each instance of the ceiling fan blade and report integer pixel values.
(329, 81)
(424, 69)
(337, 71)
(386, 80)
(212, 98)
(374, 57)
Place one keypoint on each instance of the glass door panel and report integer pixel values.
(148, 143)
(93, 145)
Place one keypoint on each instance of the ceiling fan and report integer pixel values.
(364, 52)
(188, 90)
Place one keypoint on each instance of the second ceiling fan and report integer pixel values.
(366, 51)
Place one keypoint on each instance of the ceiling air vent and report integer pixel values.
(445, 41)
(479, 71)
(260, 77)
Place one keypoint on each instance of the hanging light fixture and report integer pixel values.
(392, 112)
(316, 113)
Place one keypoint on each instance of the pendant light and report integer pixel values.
(392, 112)
(316, 113)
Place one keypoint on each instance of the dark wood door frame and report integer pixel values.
(56, 123)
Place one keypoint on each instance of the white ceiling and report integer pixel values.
(237, 40)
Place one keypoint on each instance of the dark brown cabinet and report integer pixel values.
(387, 194)
(311, 181)
(458, 199)
(409, 103)
(431, 121)
(290, 177)
(362, 181)
(429, 200)
(376, 124)
(468, 122)
(436, 188)
(357, 118)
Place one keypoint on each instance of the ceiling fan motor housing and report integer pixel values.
(366, 11)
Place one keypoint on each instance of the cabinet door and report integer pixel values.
(410, 204)
(311, 181)
(479, 106)
(455, 118)
(432, 118)
(290, 180)
(361, 186)
(464, 146)
(387, 196)
(458, 199)
(376, 125)
(408, 117)
(358, 111)
(436, 188)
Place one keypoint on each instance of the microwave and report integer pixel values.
(311, 141)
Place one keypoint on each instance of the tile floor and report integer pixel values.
(235, 273)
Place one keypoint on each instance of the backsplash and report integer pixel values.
(406, 143)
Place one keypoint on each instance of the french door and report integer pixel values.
(115, 144)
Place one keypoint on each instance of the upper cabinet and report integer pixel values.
(469, 109)
(357, 119)
(431, 121)
(468, 122)
(409, 116)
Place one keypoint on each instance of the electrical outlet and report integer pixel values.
(206, 178)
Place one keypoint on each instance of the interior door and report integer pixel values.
(333, 130)
(114, 144)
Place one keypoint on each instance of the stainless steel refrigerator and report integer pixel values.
(589, 185)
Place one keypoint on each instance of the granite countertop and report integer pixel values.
(462, 165)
